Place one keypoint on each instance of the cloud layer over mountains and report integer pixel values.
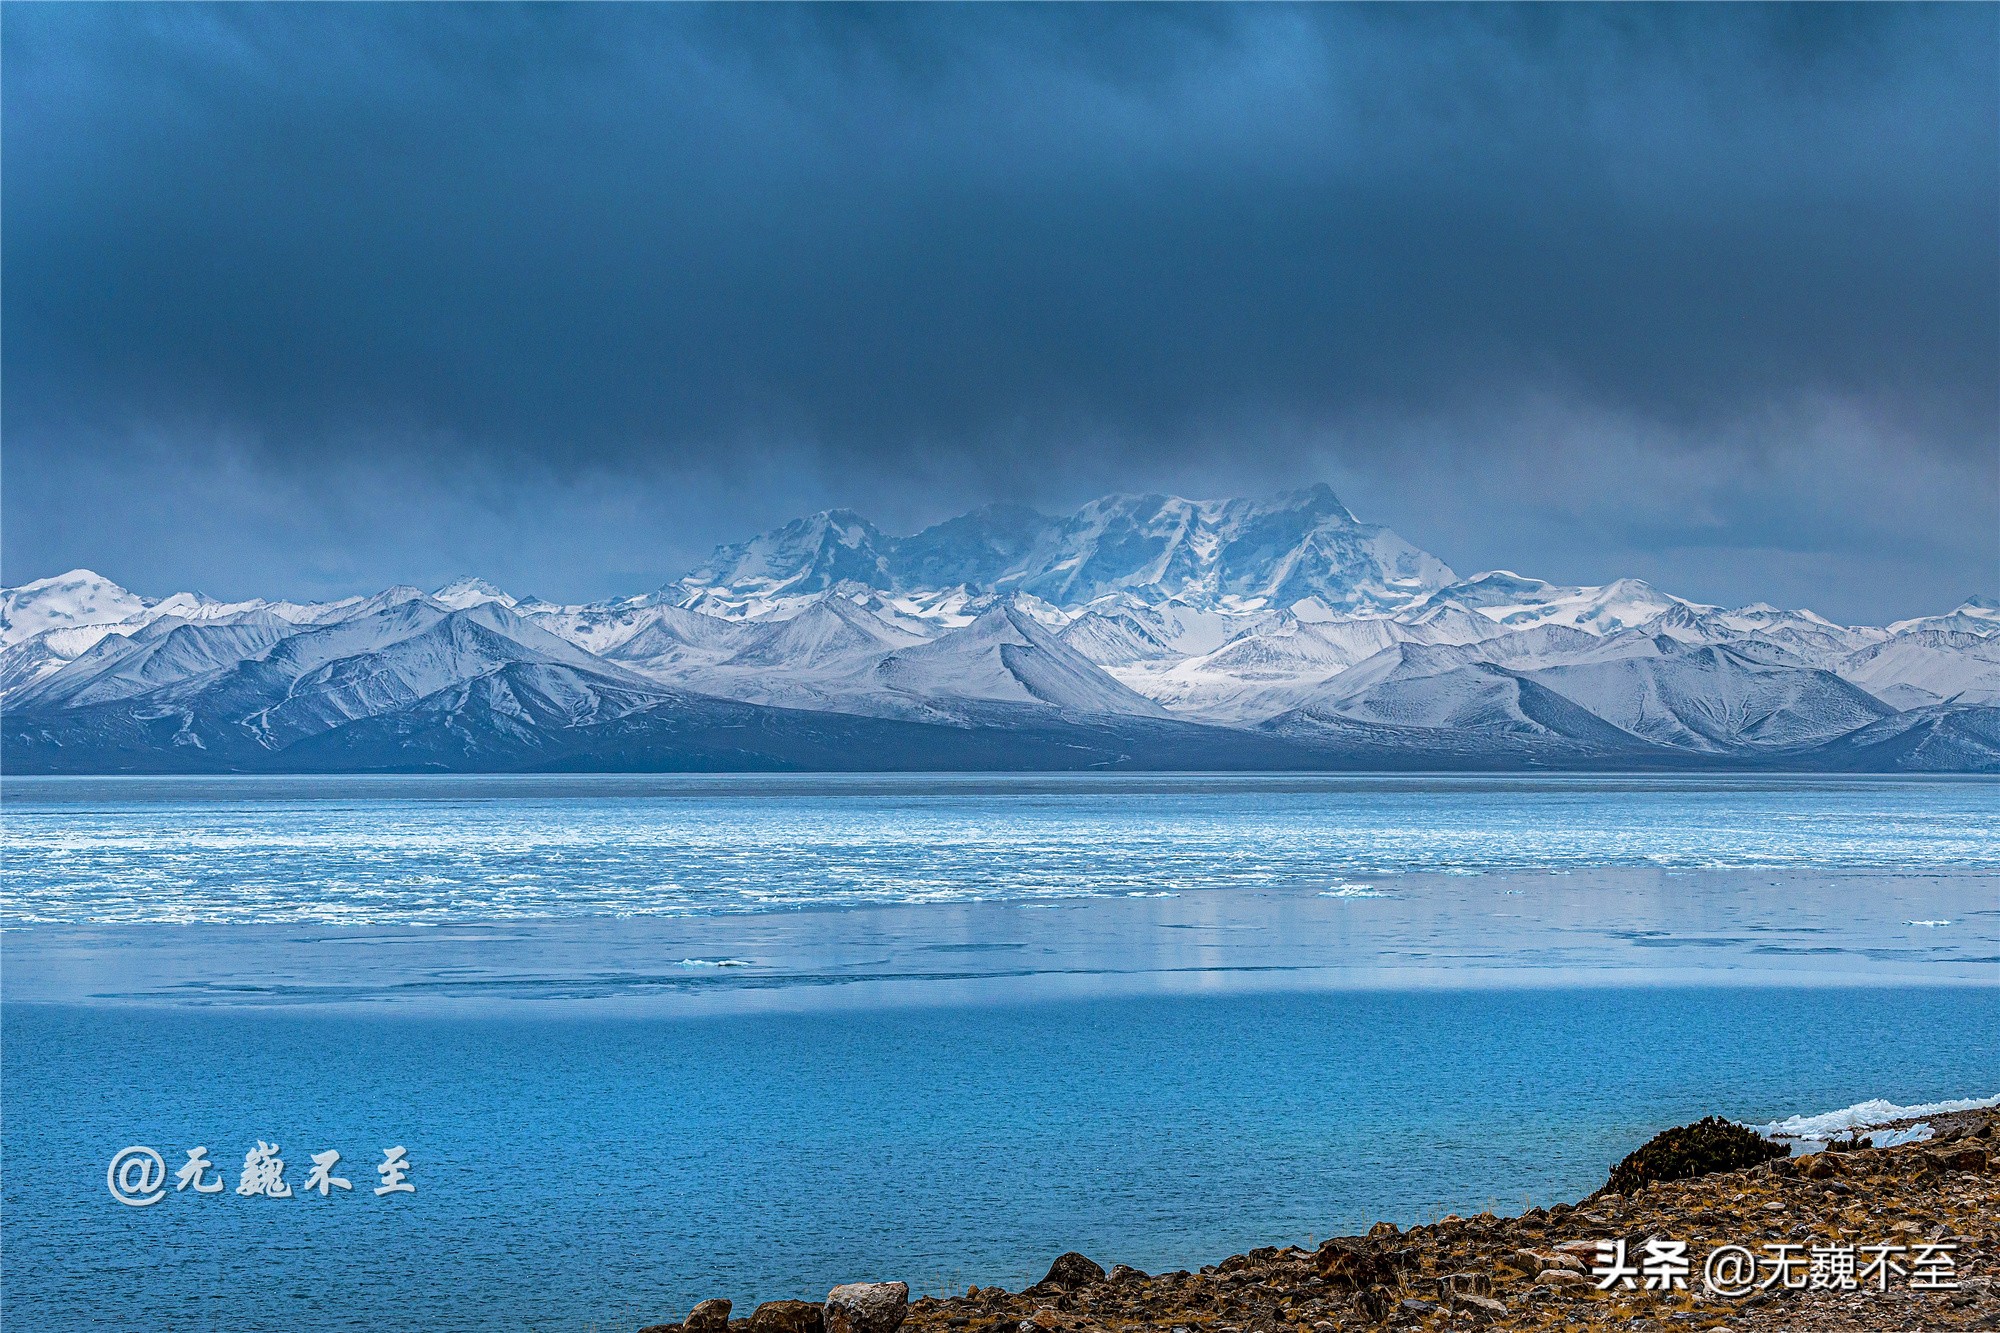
(332, 295)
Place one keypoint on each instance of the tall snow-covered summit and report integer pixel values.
(1242, 555)
(80, 597)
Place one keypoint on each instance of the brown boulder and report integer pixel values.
(1964, 1158)
(866, 1307)
(1072, 1271)
(1479, 1307)
(1354, 1264)
(708, 1317)
(787, 1317)
(1534, 1261)
(1372, 1304)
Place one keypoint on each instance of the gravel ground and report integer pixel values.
(1523, 1272)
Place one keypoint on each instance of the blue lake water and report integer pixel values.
(652, 1040)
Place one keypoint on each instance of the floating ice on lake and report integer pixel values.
(1863, 1115)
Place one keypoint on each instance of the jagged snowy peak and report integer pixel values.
(165, 652)
(42, 655)
(1544, 645)
(922, 619)
(839, 657)
(1798, 638)
(401, 595)
(1763, 618)
(829, 629)
(193, 607)
(1189, 630)
(983, 550)
(1691, 624)
(772, 573)
(505, 718)
(80, 597)
(602, 627)
(1920, 667)
(389, 661)
(143, 652)
(1404, 657)
(1479, 697)
(453, 649)
(1289, 646)
(1820, 648)
(1522, 603)
(1400, 661)
(534, 638)
(273, 656)
(1449, 622)
(388, 622)
(1628, 605)
(1245, 555)
(1937, 739)
(1006, 657)
(1655, 688)
(924, 612)
(1115, 638)
(1710, 698)
(1975, 615)
(467, 591)
(659, 637)
(1272, 667)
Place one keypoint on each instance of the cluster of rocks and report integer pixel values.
(855, 1307)
(1527, 1272)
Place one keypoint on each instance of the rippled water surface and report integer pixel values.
(647, 1041)
(415, 850)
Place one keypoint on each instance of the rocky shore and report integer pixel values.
(1931, 1209)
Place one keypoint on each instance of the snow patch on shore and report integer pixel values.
(1864, 1115)
(1896, 1138)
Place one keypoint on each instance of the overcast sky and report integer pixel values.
(307, 300)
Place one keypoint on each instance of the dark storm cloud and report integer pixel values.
(912, 258)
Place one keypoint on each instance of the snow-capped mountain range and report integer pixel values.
(1140, 631)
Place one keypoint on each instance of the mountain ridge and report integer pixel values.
(1136, 631)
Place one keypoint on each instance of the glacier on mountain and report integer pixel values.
(1138, 631)
(1243, 554)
